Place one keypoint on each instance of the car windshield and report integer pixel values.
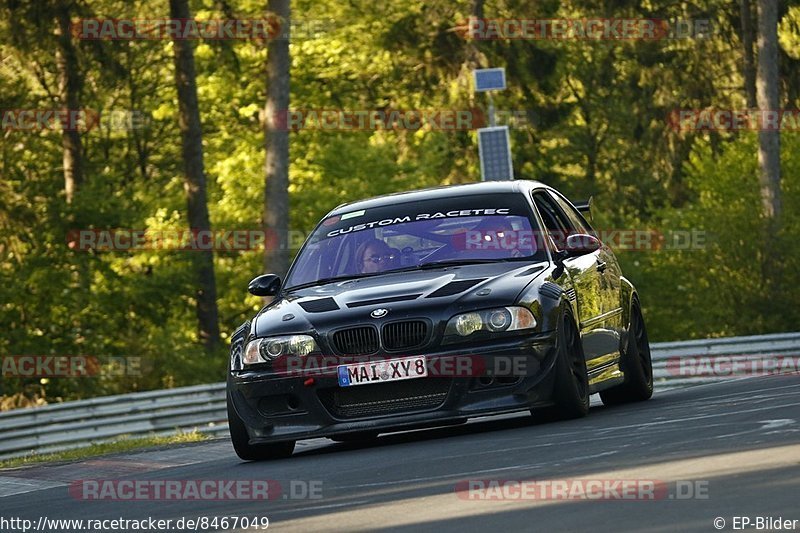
(418, 235)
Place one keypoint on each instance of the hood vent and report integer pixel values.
(378, 301)
(455, 287)
(531, 271)
(319, 306)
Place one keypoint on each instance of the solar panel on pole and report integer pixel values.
(489, 79)
(494, 152)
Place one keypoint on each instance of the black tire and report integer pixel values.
(359, 436)
(571, 389)
(636, 364)
(249, 452)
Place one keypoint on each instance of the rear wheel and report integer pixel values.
(636, 364)
(571, 389)
(249, 452)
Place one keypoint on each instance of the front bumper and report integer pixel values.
(293, 407)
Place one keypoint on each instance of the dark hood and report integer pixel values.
(436, 294)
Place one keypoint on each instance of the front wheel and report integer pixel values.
(250, 452)
(571, 389)
(636, 364)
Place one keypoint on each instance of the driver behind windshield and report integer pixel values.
(357, 240)
(375, 255)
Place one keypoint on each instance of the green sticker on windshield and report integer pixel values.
(353, 214)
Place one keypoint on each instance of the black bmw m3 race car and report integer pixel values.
(429, 307)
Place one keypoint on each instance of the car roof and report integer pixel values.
(448, 191)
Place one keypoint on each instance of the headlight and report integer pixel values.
(468, 323)
(501, 319)
(270, 348)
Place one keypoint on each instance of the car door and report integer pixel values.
(582, 270)
(607, 265)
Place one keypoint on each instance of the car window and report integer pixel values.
(487, 227)
(577, 221)
(559, 226)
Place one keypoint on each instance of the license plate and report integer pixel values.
(381, 371)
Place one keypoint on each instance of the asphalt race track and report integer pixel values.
(721, 450)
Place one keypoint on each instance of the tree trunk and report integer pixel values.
(749, 60)
(195, 179)
(768, 101)
(477, 9)
(473, 55)
(69, 87)
(276, 189)
(769, 162)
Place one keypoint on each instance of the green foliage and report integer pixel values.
(123, 444)
(597, 125)
(718, 288)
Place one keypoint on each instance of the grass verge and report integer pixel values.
(124, 444)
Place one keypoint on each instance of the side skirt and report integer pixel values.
(605, 376)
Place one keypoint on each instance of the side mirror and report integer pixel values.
(581, 244)
(265, 285)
